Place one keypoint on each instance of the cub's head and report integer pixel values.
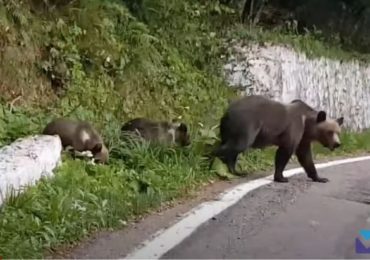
(328, 130)
(100, 153)
(181, 135)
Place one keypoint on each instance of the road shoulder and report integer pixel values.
(119, 243)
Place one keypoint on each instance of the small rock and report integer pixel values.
(238, 67)
(228, 66)
(314, 223)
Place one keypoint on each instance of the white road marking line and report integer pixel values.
(166, 239)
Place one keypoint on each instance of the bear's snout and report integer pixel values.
(336, 145)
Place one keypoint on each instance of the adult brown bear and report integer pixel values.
(257, 122)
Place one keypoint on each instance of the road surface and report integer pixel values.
(298, 220)
(295, 220)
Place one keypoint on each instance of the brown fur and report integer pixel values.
(162, 132)
(80, 135)
(257, 122)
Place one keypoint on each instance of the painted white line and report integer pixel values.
(166, 239)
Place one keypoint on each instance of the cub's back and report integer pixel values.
(85, 131)
(150, 130)
(65, 128)
(72, 132)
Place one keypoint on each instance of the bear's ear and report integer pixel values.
(321, 117)
(97, 148)
(340, 121)
(183, 128)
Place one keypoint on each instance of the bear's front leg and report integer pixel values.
(304, 156)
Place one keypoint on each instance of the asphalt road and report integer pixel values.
(296, 220)
(299, 219)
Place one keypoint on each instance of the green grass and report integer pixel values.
(161, 61)
(83, 198)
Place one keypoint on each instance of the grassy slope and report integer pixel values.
(115, 67)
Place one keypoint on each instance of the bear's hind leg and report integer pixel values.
(228, 154)
(235, 144)
(282, 157)
(230, 161)
(239, 145)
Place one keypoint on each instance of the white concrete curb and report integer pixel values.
(25, 161)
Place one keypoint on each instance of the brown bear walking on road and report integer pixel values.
(257, 122)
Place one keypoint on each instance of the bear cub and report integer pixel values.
(79, 135)
(161, 132)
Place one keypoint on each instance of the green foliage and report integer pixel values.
(101, 61)
(106, 66)
(83, 198)
(344, 23)
(18, 123)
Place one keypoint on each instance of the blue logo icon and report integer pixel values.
(360, 247)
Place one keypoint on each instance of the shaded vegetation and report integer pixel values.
(343, 23)
(109, 61)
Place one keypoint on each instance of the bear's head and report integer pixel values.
(181, 134)
(328, 130)
(100, 153)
